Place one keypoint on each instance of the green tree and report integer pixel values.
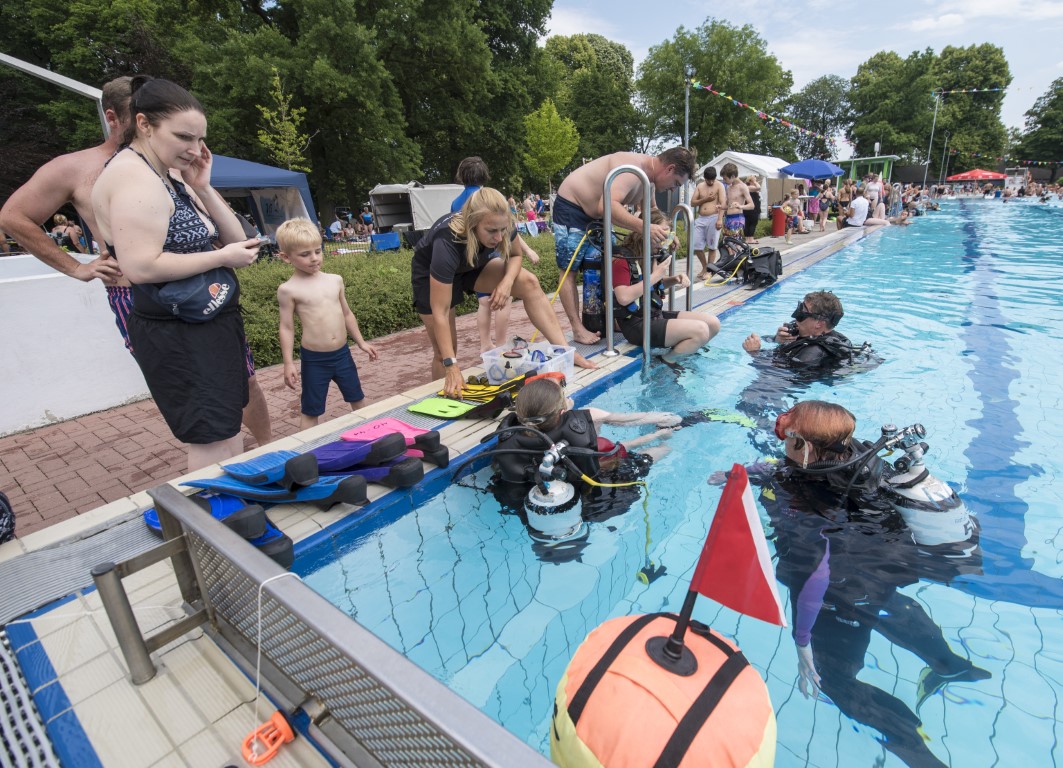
(281, 134)
(733, 60)
(972, 117)
(821, 106)
(594, 85)
(891, 103)
(552, 141)
(1043, 135)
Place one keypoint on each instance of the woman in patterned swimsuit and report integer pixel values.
(164, 228)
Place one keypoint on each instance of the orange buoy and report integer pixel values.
(617, 708)
(264, 742)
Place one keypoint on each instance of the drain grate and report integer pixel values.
(25, 742)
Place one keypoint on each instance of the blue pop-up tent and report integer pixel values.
(274, 194)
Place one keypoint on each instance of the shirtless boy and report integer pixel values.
(733, 222)
(580, 206)
(320, 300)
(709, 199)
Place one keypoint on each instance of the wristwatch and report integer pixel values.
(449, 361)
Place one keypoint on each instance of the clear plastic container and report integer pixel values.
(512, 360)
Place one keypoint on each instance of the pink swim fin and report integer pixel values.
(421, 443)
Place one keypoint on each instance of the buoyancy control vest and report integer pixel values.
(830, 348)
(575, 427)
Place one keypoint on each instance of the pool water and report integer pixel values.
(963, 309)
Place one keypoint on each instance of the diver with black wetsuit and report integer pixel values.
(809, 349)
(846, 544)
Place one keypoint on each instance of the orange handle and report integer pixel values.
(264, 742)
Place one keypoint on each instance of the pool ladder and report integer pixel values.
(647, 258)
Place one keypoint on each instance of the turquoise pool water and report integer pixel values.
(963, 309)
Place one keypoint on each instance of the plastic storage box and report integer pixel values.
(504, 363)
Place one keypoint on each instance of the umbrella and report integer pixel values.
(813, 169)
(977, 175)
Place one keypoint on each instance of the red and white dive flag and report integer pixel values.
(735, 568)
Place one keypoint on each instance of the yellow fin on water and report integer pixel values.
(729, 417)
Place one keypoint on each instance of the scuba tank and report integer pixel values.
(593, 301)
(931, 510)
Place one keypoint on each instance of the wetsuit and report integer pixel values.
(843, 559)
(828, 349)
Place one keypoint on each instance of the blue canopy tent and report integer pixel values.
(272, 194)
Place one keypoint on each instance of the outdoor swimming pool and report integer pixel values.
(961, 308)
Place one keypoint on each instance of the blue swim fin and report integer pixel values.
(247, 520)
(344, 454)
(400, 473)
(276, 545)
(287, 469)
(324, 493)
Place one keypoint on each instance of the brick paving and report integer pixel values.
(55, 472)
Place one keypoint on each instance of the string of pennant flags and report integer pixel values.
(761, 113)
(1003, 158)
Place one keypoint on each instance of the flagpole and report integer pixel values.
(671, 652)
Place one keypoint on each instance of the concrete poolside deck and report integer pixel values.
(196, 711)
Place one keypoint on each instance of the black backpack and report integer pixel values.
(762, 268)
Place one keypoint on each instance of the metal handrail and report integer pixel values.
(607, 256)
(688, 212)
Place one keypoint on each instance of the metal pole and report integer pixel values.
(689, 71)
(63, 82)
(126, 631)
(933, 125)
(607, 256)
(941, 180)
(688, 213)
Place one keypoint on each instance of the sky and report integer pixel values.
(813, 38)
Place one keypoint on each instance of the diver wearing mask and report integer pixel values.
(846, 545)
(810, 340)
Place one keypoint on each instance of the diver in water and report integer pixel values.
(543, 406)
(810, 340)
(545, 440)
(847, 538)
(809, 350)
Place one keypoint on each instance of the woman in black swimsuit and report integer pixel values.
(164, 228)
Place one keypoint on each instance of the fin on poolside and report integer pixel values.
(421, 443)
(324, 493)
(441, 407)
(343, 454)
(424, 439)
(403, 472)
(287, 469)
(247, 520)
(492, 409)
(483, 393)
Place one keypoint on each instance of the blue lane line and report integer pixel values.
(995, 473)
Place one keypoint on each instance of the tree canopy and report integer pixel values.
(1042, 138)
(736, 61)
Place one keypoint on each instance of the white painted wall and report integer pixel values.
(61, 353)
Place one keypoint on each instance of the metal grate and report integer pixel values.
(335, 669)
(24, 741)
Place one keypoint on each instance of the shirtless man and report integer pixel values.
(733, 222)
(709, 199)
(69, 179)
(580, 206)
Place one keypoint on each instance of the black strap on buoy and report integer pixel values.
(586, 688)
(687, 730)
(683, 736)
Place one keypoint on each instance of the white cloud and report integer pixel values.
(936, 23)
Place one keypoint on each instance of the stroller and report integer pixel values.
(757, 267)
